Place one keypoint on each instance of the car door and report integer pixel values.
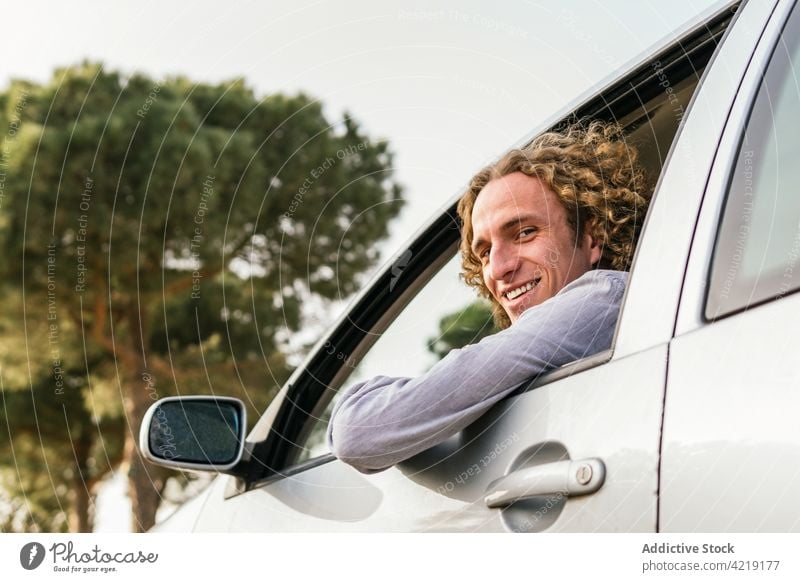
(731, 455)
(443, 489)
(597, 421)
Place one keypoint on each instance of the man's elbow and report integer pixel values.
(356, 447)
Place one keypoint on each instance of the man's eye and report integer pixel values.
(529, 231)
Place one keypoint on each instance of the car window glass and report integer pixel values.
(758, 244)
(444, 315)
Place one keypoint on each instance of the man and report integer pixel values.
(548, 232)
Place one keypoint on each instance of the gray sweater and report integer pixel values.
(383, 421)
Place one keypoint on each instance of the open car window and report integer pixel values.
(446, 313)
(649, 103)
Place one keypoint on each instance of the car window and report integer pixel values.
(758, 244)
(649, 104)
(444, 315)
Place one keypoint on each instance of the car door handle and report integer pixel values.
(562, 477)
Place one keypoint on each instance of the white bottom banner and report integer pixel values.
(354, 557)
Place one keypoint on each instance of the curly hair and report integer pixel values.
(594, 174)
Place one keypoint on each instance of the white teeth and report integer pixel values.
(514, 293)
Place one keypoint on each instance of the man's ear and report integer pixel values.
(591, 243)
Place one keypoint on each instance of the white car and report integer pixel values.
(689, 423)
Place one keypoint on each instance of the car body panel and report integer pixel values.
(443, 488)
(185, 517)
(731, 456)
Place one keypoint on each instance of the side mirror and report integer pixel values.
(202, 433)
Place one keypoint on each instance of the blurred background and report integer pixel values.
(191, 192)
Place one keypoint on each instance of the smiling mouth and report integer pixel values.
(521, 290)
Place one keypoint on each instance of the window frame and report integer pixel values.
(730, 170)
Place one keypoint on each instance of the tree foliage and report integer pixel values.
(464, 327)
(165, 235)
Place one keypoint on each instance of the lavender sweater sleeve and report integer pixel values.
(383, 421)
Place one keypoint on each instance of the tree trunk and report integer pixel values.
(145, 481)
(144, 487)
(81, 511)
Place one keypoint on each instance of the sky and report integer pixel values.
(451, 85)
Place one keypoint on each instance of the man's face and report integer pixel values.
(528, 250)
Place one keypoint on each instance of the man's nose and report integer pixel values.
(503, 262)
